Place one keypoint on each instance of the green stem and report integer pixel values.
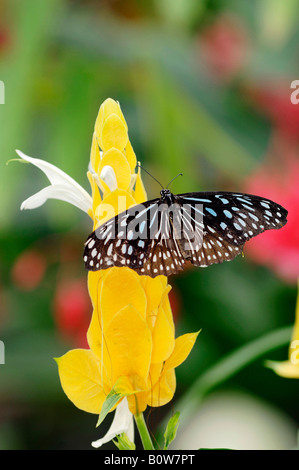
(143, 431)
(227, 367)
(240, 358)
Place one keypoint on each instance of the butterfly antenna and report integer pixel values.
(139, 166)
(180, 174)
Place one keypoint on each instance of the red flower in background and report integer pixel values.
(5, 36)
(175, 303)
(274, 101)
(3, 39)
(28, 270)
(71, 305)
(278, 180)
(72, 310)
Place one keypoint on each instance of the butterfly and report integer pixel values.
(160, 236)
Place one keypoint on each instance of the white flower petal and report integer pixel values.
(62, 187)
(122, 422)
(56, 191)
(108, 176)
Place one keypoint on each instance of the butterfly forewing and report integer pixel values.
(160, 236)
(237, 217)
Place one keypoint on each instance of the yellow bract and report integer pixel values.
(115, 202)
(131, 334)
(118, 162)
(290, 368)
(80, 376)
(121, 287)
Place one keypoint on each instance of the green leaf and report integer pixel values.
(123, 442)
(112, 398)
(171, 430)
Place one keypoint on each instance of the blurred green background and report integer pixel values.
(205, 89)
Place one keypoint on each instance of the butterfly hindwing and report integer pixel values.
(115, 242)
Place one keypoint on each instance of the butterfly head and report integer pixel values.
(166, 196)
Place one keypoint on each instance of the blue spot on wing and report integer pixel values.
(227, 213)
(211, 211)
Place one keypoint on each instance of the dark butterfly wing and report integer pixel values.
(164, 255)
(155, 238)
(224, 221)
(140, 238)
(113, 244)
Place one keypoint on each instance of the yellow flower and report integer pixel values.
(290, 368)
(132, 346)
(131, 343)
(113, 167)
(131, 335)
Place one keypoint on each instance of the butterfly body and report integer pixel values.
(160, 236)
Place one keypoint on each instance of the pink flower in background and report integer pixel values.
(278, 249)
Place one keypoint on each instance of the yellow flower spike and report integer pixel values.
(121, 287)
(116, 159)
(80, 378)
(133, 353)
(129, 346)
